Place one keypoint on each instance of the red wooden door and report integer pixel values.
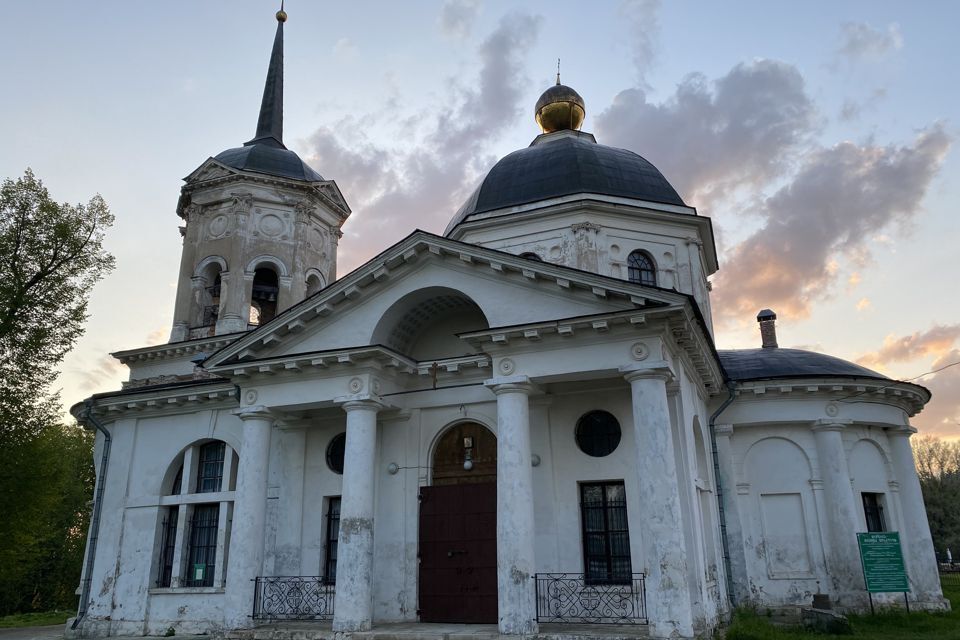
(458, 553)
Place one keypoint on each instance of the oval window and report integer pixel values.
(335, 453)
(598, 434)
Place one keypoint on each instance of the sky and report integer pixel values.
(820, 137)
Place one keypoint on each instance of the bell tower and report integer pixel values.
(260, 227)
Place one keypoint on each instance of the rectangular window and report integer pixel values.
(210, 467)
(333, 533)
(167, 546)
(606, 539)
(873, 511)
(202, 552)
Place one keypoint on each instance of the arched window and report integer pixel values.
(641, 268)
(206, 287)
(530, 255)
(189, 528)
(314, 283)
(263, 298)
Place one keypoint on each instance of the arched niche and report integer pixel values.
(424, 324)
(785, 518)
(465, 442)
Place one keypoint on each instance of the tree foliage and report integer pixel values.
(938, 466)
(51, 256)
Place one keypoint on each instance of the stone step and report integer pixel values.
(434, 631)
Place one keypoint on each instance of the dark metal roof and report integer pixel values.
(273, 160)
(566, 165)
(270, 122)
(760, 364)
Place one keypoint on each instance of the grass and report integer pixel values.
(888, 625)
(37, 619)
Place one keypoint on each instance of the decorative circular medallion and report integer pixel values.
(250, 396)
(639, 351)
(218, 226)
(832, 409)
(271, 225)
(507, 366)
(356, 385)
(375, 385)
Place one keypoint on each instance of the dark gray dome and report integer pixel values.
(270, 159)
(759, 364)
(563, 166)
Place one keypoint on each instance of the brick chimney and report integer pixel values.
(768, 328)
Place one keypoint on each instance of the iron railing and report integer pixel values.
(567, 597)
(292, 598)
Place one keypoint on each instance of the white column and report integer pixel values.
(915, 538)
(843, 523)
(516, 604)
(245, 559)
(353, 607)
(669, 607)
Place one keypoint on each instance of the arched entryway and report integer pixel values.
(458, 528)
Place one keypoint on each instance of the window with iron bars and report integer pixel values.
(873, 511)
(333, 534)
(202, 551)
(606, 536)
(210, 467)
(168, 546)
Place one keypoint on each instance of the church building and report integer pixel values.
(524, 422)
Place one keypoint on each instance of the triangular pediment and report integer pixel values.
(508, 289)
(210, 170)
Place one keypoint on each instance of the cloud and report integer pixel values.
(457, 17)
(934, 342)
(710, 138)
(863, 304)
(839, 197)
(860, 41)
(643, 20)
(941, 416)
(420, 183)
(345, 49)
(95, 376)
(852, 110)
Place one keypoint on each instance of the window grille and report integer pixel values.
(606, 538)
(873, 512)
(210, 468)
(168, 547)
(202, 552)
(333, 534)
(640, 268)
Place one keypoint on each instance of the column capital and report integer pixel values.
(510, 384)
(830, 424)
(903, 430)
(654, 369)
(360, 401)
(254, 412)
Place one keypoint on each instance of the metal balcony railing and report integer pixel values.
(568, 597)
(293, 598)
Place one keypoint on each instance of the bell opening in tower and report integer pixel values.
(263, 298)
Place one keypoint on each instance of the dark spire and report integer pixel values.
(270, 124)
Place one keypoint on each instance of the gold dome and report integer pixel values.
(559, 108)
(281, 16)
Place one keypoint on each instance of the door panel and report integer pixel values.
(458, 553)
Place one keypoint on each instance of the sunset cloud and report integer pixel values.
(934, 342)
(840, 196)
(941, 417)
(711, 137)
(420, 185)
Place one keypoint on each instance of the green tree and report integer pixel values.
(938, 466)
(51, 256)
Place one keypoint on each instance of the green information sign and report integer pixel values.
(882, 562)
